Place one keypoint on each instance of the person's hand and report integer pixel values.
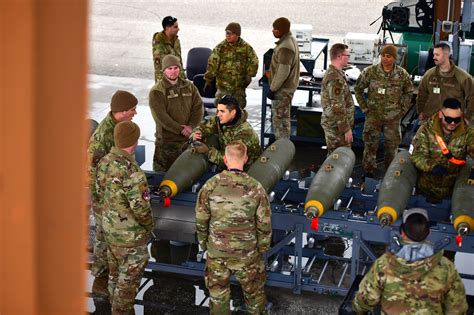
(186, 131)
(439, 170)
(422, 116)
(200, 147)
(348, 136)
(271, 95)
(197, 135)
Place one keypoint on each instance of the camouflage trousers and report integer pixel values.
(392, 137)
(435, 188)
(126, 265)
(165, 154)
(239, 95)
(281, 109)
(100, 265)
(334, 138)
(251, 276)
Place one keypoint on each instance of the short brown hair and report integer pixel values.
(236, 150)
(337, 49)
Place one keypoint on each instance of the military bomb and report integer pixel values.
(462, 201)
(329, 182)
(396, 189)
(272, 164)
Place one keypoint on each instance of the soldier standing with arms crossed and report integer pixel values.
(389, 98)
(233, 223)
(337, 119)
(232, 63)
(127, 219)
(123, 107)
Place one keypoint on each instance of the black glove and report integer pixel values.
(439, 170)
(271, 95)
(471, 174)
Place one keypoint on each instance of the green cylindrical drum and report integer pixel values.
(396, 189)
(273, 163)
(462, 201)
(329, 182)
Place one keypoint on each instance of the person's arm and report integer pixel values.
(337, 105)
(420, 154)
(263, 221)
(203, 215)
(407, 94)
(212, 65)
(454, 301)
(206, 129)
(468, 87)
(157, 103)
(422, 97)
(285, 57)
(197, 108)
(252, 63)
(138, 196)
(370, 291)
(361, 84)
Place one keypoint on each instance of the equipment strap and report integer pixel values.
(447, 153)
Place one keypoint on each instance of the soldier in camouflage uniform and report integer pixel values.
(414, 280)
(284, 77)
(233, 223)
(232, 63)
(446, 80)
(438, 167)
(165, 43)
(177, 108)
(337, 119)
(127, 219)
(389, 98)
(123, 107)
(229, 124)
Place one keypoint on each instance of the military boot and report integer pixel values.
(99, 287)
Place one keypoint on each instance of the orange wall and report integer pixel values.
(43, 98)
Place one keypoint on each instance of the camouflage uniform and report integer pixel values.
(127, 220)
(233, 66)
(389, 98)
(233, 222)
(100, 144)
(435, 87)
(426, 154)
(172, 106)
(338, 108)
(428, 286)
(163, 46)
(284, 79)
(240, 130)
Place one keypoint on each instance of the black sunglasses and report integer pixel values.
(451, 120)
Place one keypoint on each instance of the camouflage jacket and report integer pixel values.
(285, 65)
(336, 100)
(241, 130)
(233, 217)
(175, 105)
(428, 286)
(232, 65)
(162, 46)
(123, 191)
(435, 87)
(389, 94)
(426, 154)
(100, 144)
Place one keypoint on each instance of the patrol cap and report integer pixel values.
(282, 24)
(411, 211)
(234, 27)
(389, 50)
(122, 101)
(126, 134)
(169, 61)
